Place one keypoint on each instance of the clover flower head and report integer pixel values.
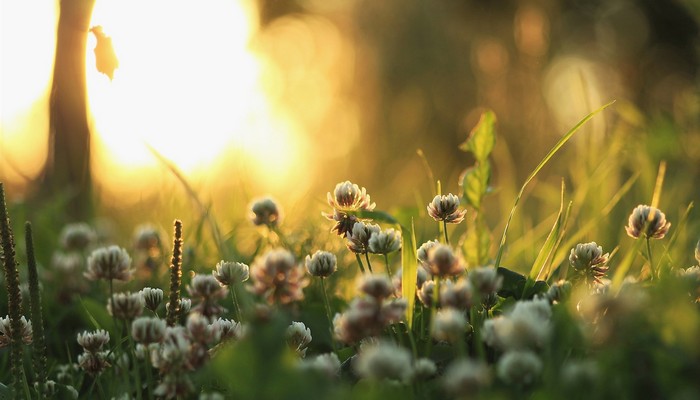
(423, 251)
(527, 326)
(152, 297)
(346, 199)
(519, 368)
(424, 368)
(384, 242)
(200, 330)
(384, 360)
(298, 338)
(265, 212)
(465, 377)
(321, 264)
(93, 363)
(367, 317)
(456, 295)
(6, 331)
(377, 286)
(647, 221)
(77, 236)
(358, 239)
(446, 208)
(589, 262)
(485, 280)
(207, 290)
(443, 262)
(559, 292)
(147, 238)
(230, 329)
(229, 273)
(109, 263)
(327, 364)
(127, 305)
(581, 375)
(449, 325)
(147, 330)
(277, 276)
(425, 293)
(93, 342)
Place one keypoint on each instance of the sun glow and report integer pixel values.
(187, 86)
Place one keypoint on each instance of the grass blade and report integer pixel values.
(409, 271)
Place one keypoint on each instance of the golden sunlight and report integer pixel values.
(187, 86)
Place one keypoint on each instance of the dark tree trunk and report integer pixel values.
(68, 164)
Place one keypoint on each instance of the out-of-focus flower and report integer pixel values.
(230, 329)
(443, 262)
(346, 199)
(559, 292)
(298, 338)
(424, 368)
(109, 263)
(697, 252)
(384, 242)
(367, 317)
(519, 368)
(230, 273)
(485, 280)
(146, 330)
(580, 375)
(456, 295)
(358, 240)
(93, 341)
(446, 208)
(449, 325)
(93, 363)
(278, 278)
(152, 297)
(527, 326)
(423, 251)
(464, 378)
(6, 331)
(77, 237)
(425, 293)
(265, 212)
(201, 331)
(384, 360)
(321, 264)
(650, 218)
(211, 396)
(422, 277)
(147, 238)
(127, 305)
(327, 364)
(377, 286)
(589, 262)
(207, 290)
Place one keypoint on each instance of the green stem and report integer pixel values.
(369, 264)
(111, 304)
(654, 273)
(433, 313)
(137, 370)
(388, 266)
(237, 306)
(328, 311)
(476, 336)
(359, 262)
(444, 227)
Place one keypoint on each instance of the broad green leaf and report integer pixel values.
(475, 183)
(409, 272)
(537, 169)
(482, 138)
(513, 283)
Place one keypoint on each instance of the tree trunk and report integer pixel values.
(68, 165)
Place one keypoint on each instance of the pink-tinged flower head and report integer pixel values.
(346, 199)
(277, 277)
(647, 221)
(446, 208)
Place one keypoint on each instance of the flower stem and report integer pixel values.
(237, 306)
(388, 266)
(476, 335)
(369, 264)
(433, 313)
(359, 262)
(328, 311)
(654, 273)
(444, 229)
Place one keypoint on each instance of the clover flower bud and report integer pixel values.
(464, 378)
(6, 331)
(321, 264)
(109, 263)
(298, 337)
(358, 239)
(265, 212)
(384, 360)
(443, 262)
(152, 297)
(146, 330)
(519, 368)
(449, 326)
(230, 273)
(77, 237)
(647, 221)
(446, 208)
(384, 242)
(185, 305)
(93, 341)
(207, 290)
(127, 306)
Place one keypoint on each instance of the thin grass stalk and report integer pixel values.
(369, 264)
(173, 311)
(14, 297)
(359, 263)
(239, 314)
(328, 311)
(388, 266)
(38, 338)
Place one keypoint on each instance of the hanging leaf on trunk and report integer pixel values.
(105, 57)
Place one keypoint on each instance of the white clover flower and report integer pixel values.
(200, 330)
(519, 368)
(384, 242)
(589, 262)
(449, 325)
(425, 293)
(443, 262)
(485, 280)
(147, 238)
(6, 331)
(265, 212)
(327, 364)
(648, 222)
(456, 295)
(377, 286)
(527, 326)
(446, 208)
(77, 236)
(298, 337)
(358, 239)
(93, 342)
(93, 363)
(127, 305)
(321, 264)
(109, 263)
(464, 378)
(277, 276)
(152, 297)
(229, 273)
(146, 330)
(230, 329)
(560, 291)
(384, 360)
(423, 251)
(424, 368)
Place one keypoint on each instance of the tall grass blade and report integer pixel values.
(409, 271)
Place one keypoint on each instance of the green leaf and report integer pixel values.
(379, 216)
(513, 283)
(409, 272)
(550, 244)
(537, 169)
(5, 392)
(482, 138)
(475, 183)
